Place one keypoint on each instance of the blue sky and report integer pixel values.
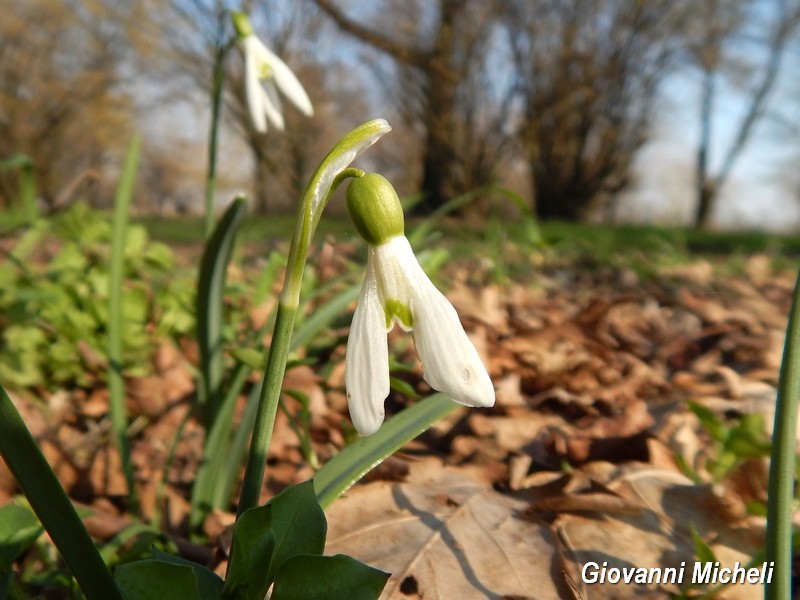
(760, 190)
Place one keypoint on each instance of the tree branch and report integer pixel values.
(404, 54)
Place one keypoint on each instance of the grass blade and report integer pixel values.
(350, 465)
(51, 504)
(322, 317)
(210, 291)
(782, 464)
(116, 383)
(214, 483)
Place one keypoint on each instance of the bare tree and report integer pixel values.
(62, 98)
(588, 77)
(439, 52)
(716, 40)
(199, 30)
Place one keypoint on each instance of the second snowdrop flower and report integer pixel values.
(265, 76)
(397, 290)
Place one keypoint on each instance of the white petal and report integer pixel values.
(367, 360)
(450, 361)
(253, 90)
(391, 266)
(286, 81)
(271, 105)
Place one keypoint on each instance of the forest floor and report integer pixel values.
(635, 400)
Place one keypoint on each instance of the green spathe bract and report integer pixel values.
(241, 23)
(375, 208)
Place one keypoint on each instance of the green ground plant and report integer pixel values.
(54, 308)
(734, 442)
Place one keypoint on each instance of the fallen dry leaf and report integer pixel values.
(659, 535)
(444, 535)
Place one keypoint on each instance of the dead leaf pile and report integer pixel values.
(443, 533)
(575, 463)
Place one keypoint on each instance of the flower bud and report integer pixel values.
(375, 208)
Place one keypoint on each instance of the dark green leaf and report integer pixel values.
(337, 577)
(50, 502)
(403, 387)
(210, 291)
(209, 584)
(153, 579)
(265, 537)
(251, 552)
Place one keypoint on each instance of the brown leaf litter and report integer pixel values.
(575, 463)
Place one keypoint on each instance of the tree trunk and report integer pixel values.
(436, 66)
(705, 188)
(706, 194)
(552, 203)
(439, 157)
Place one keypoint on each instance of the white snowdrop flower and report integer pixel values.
(397, 290)
(266, 75)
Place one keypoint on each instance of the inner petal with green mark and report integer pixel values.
(264, 71)
(395, 309)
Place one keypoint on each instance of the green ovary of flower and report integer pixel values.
(375, 208)
(241, 23)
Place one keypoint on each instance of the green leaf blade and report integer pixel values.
(209, 584)
(51, 504)
(116, 315)
(347, 467)
(265, 537)
(336, 577)
(210, 294)
(154, 579)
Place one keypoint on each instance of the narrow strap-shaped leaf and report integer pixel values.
(336, 577)
(214, 482)
(782, 464)
(347, 467)
(321, 318)
(51, 504)
(210, 291)
(116, 384)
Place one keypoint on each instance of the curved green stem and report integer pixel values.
(330, 173)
